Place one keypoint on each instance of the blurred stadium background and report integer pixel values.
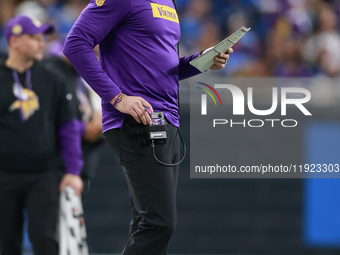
(288, 39)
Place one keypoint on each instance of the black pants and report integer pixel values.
(152, 189)
(38, 193)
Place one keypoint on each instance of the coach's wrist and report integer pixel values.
(117, 99)
(114, 99)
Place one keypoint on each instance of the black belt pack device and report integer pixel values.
(158, 119)
(156, 132)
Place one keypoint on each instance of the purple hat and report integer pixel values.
(25, 25)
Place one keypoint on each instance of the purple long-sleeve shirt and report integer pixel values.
(138, 56)
(70, 134)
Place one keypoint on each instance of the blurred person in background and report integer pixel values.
(247, 50)
(322, 49)
(89, 114)
(139, 72)
(192, 22)
(298, 15)
(37, 121)
(210, 35)
(284, 51)
(32, 9)
(290, 64)
(65, 15)
(7, 9)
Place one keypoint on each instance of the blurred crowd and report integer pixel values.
(288, 38)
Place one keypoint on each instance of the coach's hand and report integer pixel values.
(73, 181)
(221, 60)
(135, 107)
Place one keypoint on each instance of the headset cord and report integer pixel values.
(165, 164)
